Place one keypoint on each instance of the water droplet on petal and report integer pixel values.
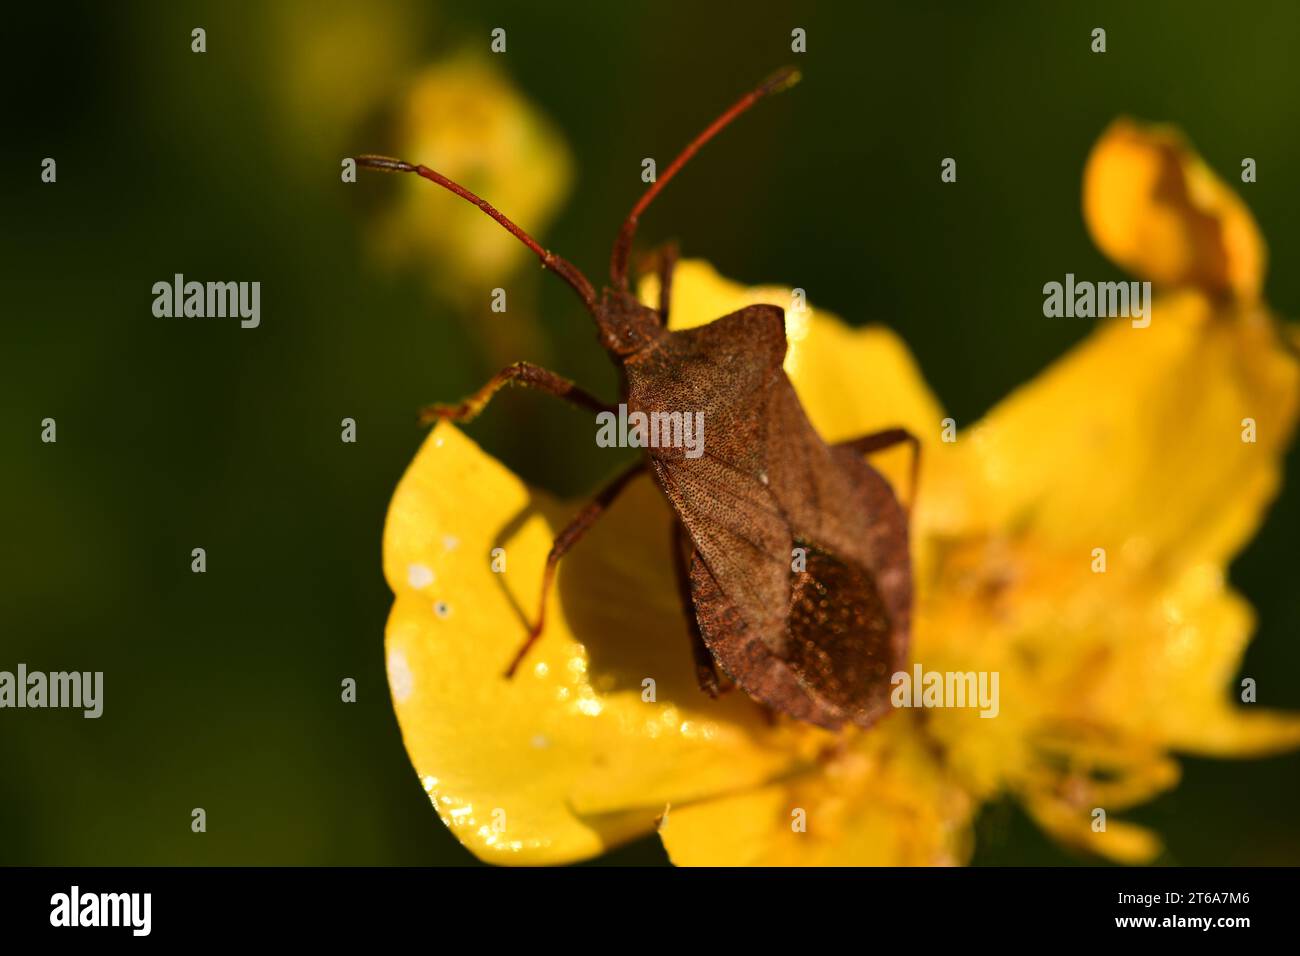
(400, 678)
(419, 576)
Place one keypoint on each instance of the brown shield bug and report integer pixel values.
(792, 553)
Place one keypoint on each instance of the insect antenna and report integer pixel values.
(781, 80)
(563, 268)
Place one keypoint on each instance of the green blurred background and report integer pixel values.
(222, 690)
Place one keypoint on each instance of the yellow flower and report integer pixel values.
(465, 118)
(1155, 208)
(1133, 443)
(352, 79)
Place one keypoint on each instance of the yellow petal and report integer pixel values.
(463, 117)
(1134, 441)
(1157, 210)
(1120, 841)
(569, 758)
(1160, 665)
(880, 799)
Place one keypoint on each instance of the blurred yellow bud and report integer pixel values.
(465, 119)
(1155, 208)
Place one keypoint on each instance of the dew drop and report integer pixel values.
(400, 678)
(419, 576)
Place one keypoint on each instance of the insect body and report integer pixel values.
(792, 554)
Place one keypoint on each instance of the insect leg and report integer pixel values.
(705, 670)
(565, 540)
(521, 373)
(879, 441)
